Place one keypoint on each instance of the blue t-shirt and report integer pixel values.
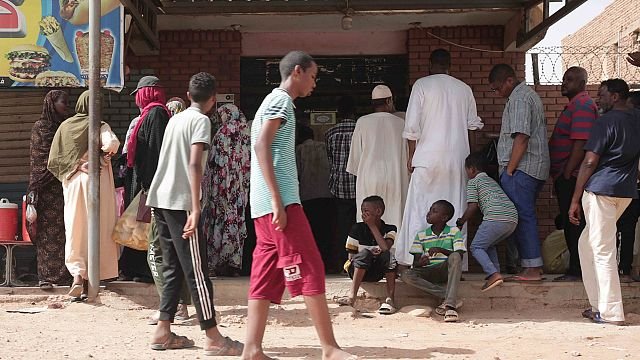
(616, 138)
(277, 105)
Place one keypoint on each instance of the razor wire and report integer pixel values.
(546, 65)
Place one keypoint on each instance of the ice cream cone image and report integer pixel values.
(50, 28)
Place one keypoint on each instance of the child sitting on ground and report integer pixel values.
(438, 254)
(499, 220)
(370, 259)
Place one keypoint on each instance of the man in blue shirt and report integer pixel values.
(607, 184)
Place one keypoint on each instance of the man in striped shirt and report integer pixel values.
(437, 253)
(523, 158)
(565, 150)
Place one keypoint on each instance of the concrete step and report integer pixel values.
(509, 296)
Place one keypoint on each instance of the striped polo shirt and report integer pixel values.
(574, 123)
(493, 202)
(450, 239)
(277, 105)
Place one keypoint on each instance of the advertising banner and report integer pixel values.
(45, 43)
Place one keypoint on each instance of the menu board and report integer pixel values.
(45, 43)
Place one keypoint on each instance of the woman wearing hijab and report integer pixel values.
(143, 152)
(45, 193)
(225, 192)
(68, 162)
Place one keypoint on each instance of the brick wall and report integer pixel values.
(621, 15)
(473, 67)
(596, 45)
(182, 54)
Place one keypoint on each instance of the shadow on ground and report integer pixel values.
(370, 352)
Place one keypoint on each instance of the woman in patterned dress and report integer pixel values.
(225, 192)
(45, 193)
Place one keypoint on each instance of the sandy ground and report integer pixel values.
(116, 329)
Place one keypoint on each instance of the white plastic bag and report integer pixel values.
(31, 214)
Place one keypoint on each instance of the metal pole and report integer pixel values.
(95, 106)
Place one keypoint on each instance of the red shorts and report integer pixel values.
(288, 257)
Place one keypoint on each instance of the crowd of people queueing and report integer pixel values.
(414, 179)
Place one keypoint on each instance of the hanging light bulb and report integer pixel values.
(347, 22)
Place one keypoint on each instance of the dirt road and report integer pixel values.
(117, 329)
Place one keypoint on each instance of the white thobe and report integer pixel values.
(378, 158)
(441, 110)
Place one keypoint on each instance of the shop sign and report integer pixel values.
(45, 43)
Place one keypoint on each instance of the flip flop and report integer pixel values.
(229, 348)
(174, 342)
(45, 285)
(451, 316)
(488, 286)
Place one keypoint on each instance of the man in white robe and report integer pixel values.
(378, 157)
(441, 110)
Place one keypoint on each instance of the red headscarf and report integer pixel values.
(146, 99)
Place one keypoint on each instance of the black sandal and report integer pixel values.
(45, 285)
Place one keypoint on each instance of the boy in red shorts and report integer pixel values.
(286, 253)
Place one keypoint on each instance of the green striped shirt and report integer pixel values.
(277, 105)
(493, 202)
(450, 239)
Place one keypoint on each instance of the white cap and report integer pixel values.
(381, 92)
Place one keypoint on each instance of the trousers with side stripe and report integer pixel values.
(184, 260)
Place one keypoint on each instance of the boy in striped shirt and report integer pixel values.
(499, 220)
(437, 253)
(286, 253)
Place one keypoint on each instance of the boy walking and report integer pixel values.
(500, 217)
(369, 244)
(437, 253)
(174, 195)
(285, 253)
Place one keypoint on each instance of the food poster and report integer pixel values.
(45, 43)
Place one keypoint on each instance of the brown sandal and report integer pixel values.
(229, 348)
(174, 342)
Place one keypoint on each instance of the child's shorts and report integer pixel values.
(288, 257)
(376, 266)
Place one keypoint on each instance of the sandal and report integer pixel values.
(344, 301)
(589, 314)
(488, 286)
(45, 285)
(387, 307)
(442, 309)
(451, 315)
(75, 291)
(174, 342)
(230, 348)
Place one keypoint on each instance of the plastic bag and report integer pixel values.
(31, 214)
(128, 231)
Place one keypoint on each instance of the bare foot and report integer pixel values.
(338, 354)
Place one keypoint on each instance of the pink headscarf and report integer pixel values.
(146, 99)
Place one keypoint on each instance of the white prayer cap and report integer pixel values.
(381, 92)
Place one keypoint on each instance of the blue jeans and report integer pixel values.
(523, 190)
(483, 246)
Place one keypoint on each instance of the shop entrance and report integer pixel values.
(337, 76)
